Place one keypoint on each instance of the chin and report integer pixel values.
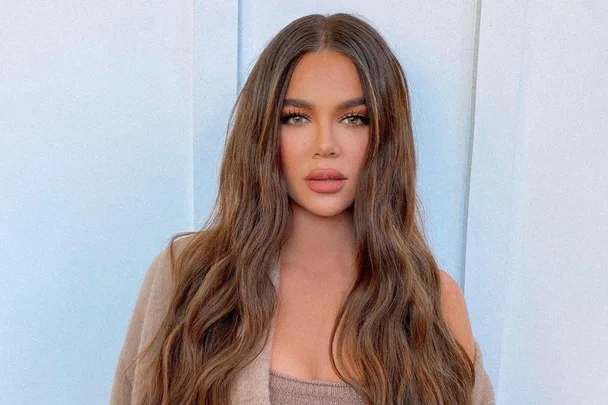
(326, 213)
(325, 209)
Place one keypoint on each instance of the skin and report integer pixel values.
(322, 234)
(317, 262)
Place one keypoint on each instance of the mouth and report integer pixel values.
(326, 186)
(325, 175)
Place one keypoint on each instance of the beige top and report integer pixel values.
(252, 383)
(289, 390)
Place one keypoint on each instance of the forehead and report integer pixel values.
(325, 77)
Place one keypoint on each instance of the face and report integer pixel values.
(324, 125)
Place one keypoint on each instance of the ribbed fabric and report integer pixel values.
(289, 390)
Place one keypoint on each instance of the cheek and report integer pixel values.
(359, 151)
(291, 154)
(287, 158)
(363, 148)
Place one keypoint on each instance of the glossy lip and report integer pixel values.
(325, 186)
(325, 174)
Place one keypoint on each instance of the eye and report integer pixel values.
(285, 119)
(354, 119)
(297, 118)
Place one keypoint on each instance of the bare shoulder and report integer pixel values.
(455, 313)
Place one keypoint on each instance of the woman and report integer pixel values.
(313, 281)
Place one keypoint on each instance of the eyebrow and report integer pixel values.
(297, 102)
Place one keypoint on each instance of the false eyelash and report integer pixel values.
(291, 113)
(364, 118)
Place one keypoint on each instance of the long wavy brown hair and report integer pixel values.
(223, 299)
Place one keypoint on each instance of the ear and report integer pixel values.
(455, 313)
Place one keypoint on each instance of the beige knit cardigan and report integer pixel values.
(251, 386)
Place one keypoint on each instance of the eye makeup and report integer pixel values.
(364, 119)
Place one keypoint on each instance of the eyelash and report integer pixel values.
(364, 119)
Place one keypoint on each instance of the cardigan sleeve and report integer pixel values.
(483, 392)
(123, 382)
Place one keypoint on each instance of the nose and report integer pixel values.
(325, 143)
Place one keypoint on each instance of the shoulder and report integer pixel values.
(162, 265)
(455, 313)
(151, 304)
(157, 287)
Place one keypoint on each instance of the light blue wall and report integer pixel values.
(536, 275)
(95, 175)
(112, 125)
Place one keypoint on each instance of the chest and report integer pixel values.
(307, 310)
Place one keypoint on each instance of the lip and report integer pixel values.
(326, 186)
(325, 174)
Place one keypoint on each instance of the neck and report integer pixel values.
(319, 244)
